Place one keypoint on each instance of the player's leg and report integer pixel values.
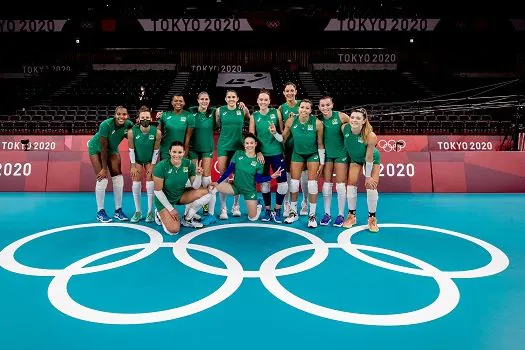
(150, 192)
(208, 209)
(265, 190)
(100, 188)
(287, 162)
(372, 195)
(236, 208)
(222, 165)
(327, 191)
(351, 193)
(115, 171)
(225, 189)
(296, 168)
(341, 171)
(313, 189)
(282, 188)
(194, 200)
(304, 189)
(254, 208)
(170, 224)
(136, 187)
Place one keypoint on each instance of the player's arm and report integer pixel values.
(195, 175)
(189, 133)
(345, 119)
(131, 145)
(218, 118)
(287, 127)
(156, 147)
(280, 119)
(369, 157)
(320, 142)
(251, 127)
(247, 114)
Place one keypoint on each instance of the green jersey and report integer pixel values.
(269, 145)
(232, 123)
(356, 147)
(175, 178)
(245, 170)
(202, 137)
(174, 127)
(285, 113)
(114, 134)
(144, 143)
(333, 137)
(304, 135)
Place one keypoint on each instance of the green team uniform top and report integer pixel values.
(144, 143)
(202, 137)
(232, 123)
(333, 137)
(269, 145)
(175, 178)
(356, 147)
(285, 112)
(245, 170)
(305, 136)
(174, 128)
(114, 134)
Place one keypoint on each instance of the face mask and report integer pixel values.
(144, 123)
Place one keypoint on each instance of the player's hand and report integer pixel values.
(134, 172)
(272, 128)
(277, 173)
(370, 183)
(199, 168)
(260, 158)
(159, 114)
(320, 171)
(149, 169)
(242, 105)
(101, 174)
(291, 115)
(174, 214)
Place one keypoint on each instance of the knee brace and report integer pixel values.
(341, 188)
(312, 187)
(294, 186)
(327, 189)
(101, 185)
(282, 188)
(265, 187)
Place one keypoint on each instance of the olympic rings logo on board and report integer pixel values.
(391, 145)
(268, 273)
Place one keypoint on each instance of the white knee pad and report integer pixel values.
(294, 186)
(327, 189)
(351, 191)
(101, 185)
(265, 187)
(282, 188)
(312, 187)
(341, 188)
(118, 181)
(206, 180)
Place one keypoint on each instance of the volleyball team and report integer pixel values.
(289, 144)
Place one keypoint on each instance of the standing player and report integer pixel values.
(360, 143)
(144, 142)
(103, 152)
(286, 109)
(263, 123)
(170, 177)
(336, 159)
(308, 148)
(175, 126)
(248, 171)
(201, 146)
(231, 120)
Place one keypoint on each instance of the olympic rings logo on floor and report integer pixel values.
(268, 273)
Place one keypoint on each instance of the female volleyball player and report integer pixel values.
(144, 143)
(175, 126)
(264, 123)
(103, 152)
(248, 171)
(286, 109)
(170, 177)
(231, 120)
(360, 143)
(336, 160)
(308, 148)
(201, 146)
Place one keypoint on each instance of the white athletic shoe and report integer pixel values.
(312, 221)
(224, 214)
(293, 217)
(157, 218)
(236, 210)
(304, 209)
(191, 223)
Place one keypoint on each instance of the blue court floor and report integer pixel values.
(446, 271)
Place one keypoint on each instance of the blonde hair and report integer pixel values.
(367, 127)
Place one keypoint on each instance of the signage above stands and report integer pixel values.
(382, 25)
(196, 25)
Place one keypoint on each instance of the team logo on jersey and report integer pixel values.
(185, 169)
(241, 157)
(316, 157)
(310, 127)
(224, 113)
(258, 120)
(239, 113)
(170, 171)
(346, 135)
(182, 119)
(138, 137)
(254, 163)
(272, 116)
(168, 118)
(335, 122)
(112, 132)
(152, 137)
(295, 126)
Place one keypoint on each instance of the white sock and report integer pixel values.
(100, 193)
(313, 208)
(150, 190)
(351, 196)
(371, 198)
(118, 189)
(341, 197)
(327, 197)
(211, 204)
(293, 206)
(287, 195)
(304, 185)
(136, 188)
(259, 209)
(194, 207)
